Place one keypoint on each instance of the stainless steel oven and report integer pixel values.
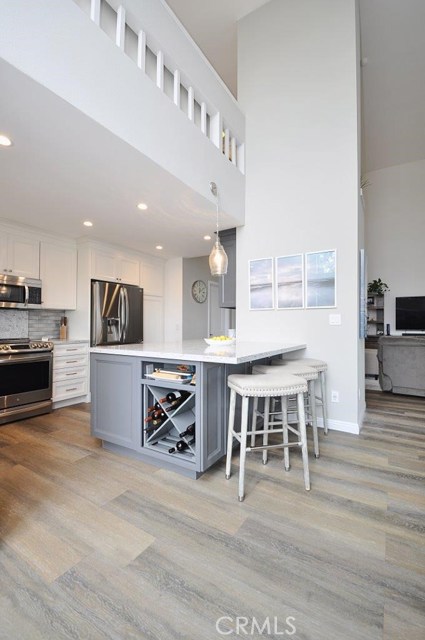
(25, 380)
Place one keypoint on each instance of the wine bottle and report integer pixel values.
(174, 397)
(190, 431)
(155, 406)
(181, 445)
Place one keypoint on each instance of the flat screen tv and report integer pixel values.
(410, 314)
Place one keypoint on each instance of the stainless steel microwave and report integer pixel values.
(19, 293)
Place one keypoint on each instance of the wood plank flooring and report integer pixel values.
(97, 546)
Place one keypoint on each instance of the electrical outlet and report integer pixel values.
(335, 396)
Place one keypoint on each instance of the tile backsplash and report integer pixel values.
(35, 324)
(13, 323)
(44, 323)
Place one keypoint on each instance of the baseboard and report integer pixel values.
(59, 404)
(340, 425)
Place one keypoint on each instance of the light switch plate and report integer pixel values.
(334, 318)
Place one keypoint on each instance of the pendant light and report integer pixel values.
(218, 257)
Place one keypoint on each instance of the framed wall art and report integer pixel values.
(320, 277)
(261, 294)
(290, 282)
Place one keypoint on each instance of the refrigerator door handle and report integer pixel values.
(96, 337)
(121, 314)
(127, 314)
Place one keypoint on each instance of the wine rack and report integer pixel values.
(165, 436)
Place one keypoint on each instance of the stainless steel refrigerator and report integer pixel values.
(116, 313)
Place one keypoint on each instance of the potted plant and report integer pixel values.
(377, 287)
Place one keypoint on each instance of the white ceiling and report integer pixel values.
(64, 168)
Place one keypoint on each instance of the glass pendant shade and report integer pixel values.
(218, 259)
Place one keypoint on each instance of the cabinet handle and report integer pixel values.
(71, 362)
(71, 349)
(73, 389)
(74, 373)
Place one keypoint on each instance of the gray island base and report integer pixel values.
(123, 390)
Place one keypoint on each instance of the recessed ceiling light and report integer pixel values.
(5, 141)
(159, 247)
(87, 223)
(142, 206)
(207, 237)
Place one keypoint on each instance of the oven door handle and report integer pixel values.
(27, 294)
(27, 357)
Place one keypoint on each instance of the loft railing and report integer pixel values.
(126, 30)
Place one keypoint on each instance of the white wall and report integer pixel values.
(173, 303)
(395, 231)
(297, 83)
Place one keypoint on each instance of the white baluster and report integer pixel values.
(176, 92)
(204, 118)
(160, 70)
(95, 11)
(120, 34)
(191, 104)
(141, 50)
(216, 129)
(227, 143)
(233, 149)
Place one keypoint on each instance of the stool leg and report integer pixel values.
(324, 407)
(266, 427)
(303, 434)
(230, 427)
(284, 404)
(254, 421)
(312, 402)
(244, 429)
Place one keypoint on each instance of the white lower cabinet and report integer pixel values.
(70, 372)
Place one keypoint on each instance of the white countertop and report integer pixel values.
(199, 351)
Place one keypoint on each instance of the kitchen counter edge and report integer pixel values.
(195, 351)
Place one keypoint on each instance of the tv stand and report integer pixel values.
(414, 334)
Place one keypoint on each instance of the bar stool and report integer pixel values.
(266, 386)
(310, 375)
(321, 367)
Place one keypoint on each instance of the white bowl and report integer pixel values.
(220, 343)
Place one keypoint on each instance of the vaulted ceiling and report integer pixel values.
(393, 71)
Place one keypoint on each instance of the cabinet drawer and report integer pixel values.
(70, 348)
(69, 389)
(70, 361)
(69, 373)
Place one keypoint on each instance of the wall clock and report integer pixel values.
(199, 291)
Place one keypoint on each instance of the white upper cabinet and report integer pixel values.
(115, 266)
(58, 273)
(19, 254)
(152, 278)
(129, 270)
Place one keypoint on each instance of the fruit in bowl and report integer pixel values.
(219, 341)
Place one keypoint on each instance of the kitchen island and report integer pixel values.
(125, 384)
